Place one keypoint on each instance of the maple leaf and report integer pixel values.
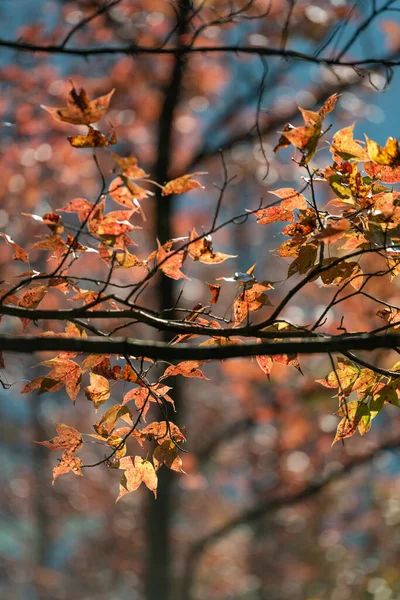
(68, 463)
(389, 155)
(305, 260)
(129, 166)
(167, 454)
(54, 242)
(127, 193)
(136, 471)
(68, 438)
(343, 377)
(169, 266)
(305, 137)
(252, 298)
(181, 185)
(352, 413)
(201, 249)
(142, 397)
(98, 391)
(80, 206)
(382, 172)
(31, 299)
(109, 419)
(265, 363)
(346, 147)
(67, 372)
(162, 430)
(93, 139)
(19, 253)
(81, 110)
(187, 368)
(333, 232)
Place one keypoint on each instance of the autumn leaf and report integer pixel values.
(252, 298)
(129, 166)
(290, 198)
(167, 454)
(81, 110)
(109, 419)
(346, 147)
(328, 105)
(343, 377)
(265, 363)
(334, 231)
(181, 185)
(215, 289)
(187, 368)
(98, 391)
(31, 299)
(305, 137)
(162, 430)
(127, 193)
(201, 249)
(136, 471)
(93, 139)
(68, 463)
(54, 243)
(389, 155)
(80, 206)
(67, 372)
(169, 262)
(352, 413)
(19, 253)
(68, 438)
(382, 172)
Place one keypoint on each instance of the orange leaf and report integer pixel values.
(215, 289)
(160, 431)
(19, 253)
(127, 193)
(251, 299)
(181, 185)
(202, 250)
(137, 471)
(265, 363)
(187, 368)
(98, 391)
(328, 105)
(68, 438)
(290, 199)
(81, 110)
(129, 166)
(80, 206)
(94, 139)
(67, 372)
(167, 454)
(170, 266)
(68, 463)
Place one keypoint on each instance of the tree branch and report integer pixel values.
(163, 351)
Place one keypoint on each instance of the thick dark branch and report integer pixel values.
(133, 49)
(163, 351)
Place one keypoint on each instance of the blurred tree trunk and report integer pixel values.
(158, 580)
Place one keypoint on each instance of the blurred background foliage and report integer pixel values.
(250, 439)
